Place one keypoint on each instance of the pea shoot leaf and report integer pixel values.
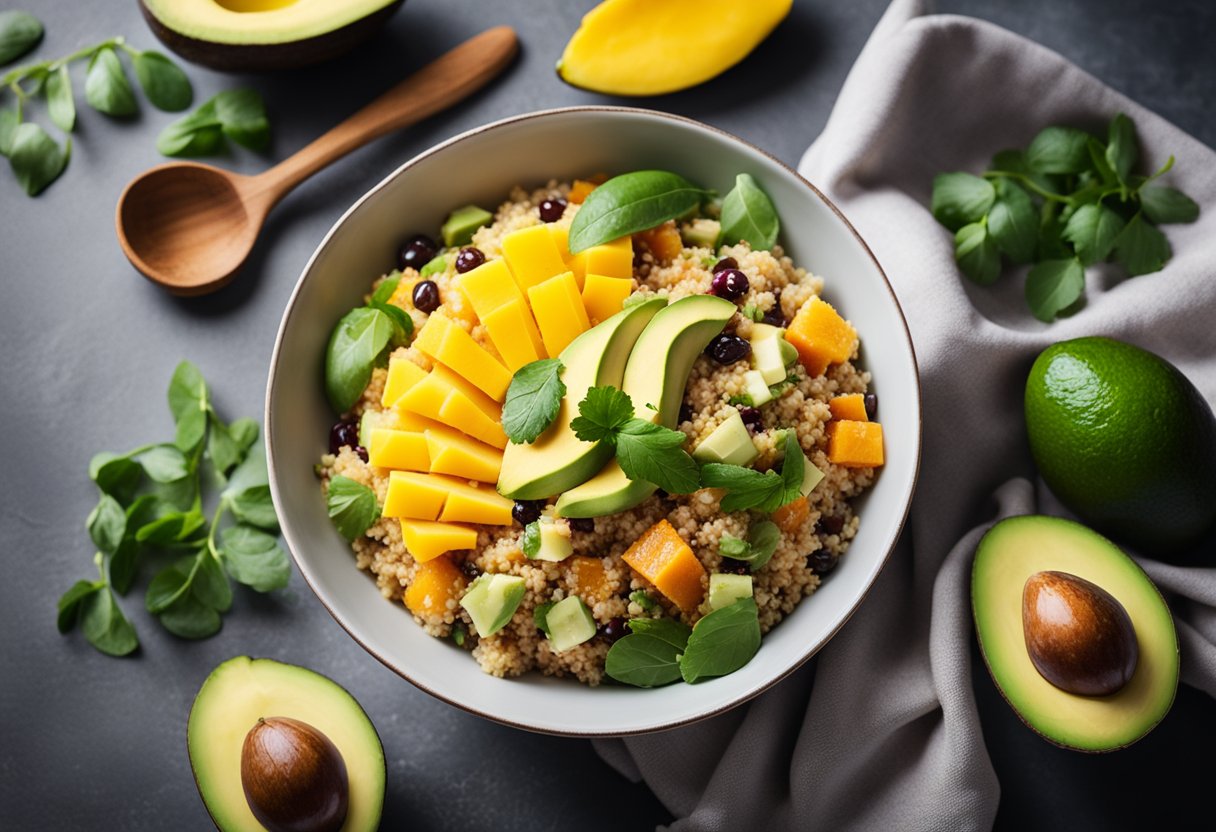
(1092, 230)
(1163, 205)
(163, 82)
(106, 87)
(1122, 147)
(351, 506)
(1059, 150)
(977, 253)
(19, 33)
(1013, 222)
(104, 625)
(35, 157)
(254, 558)
(1140, 248)
(60, 104)
(960, 199)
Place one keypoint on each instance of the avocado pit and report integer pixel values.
(1078, 636)
(294, 777)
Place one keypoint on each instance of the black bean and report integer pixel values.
(343, 434)
(725, 263)
(551, 210)
(469, 258)
(727, 349)
(426, 296)
(730, 284)
(416, 252)
(527, 511)
(751, 417)
(822, 562)
(582, 524)
(730, 566)
(613, 631)
(870, 400)
(361, 452)
(832, 524)
(685, 412)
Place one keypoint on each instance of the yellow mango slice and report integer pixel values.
(532, 255)
(477, 505)
(489, 287)
(452, 452)
(426, 397)
(399, 449)
(436, 587)
(559, 311)
(418, 496)
(613, 259)
(603, 296)
(402, 375)
(505, 325)
(643, 47)
(427, 539)
(451, 346)
(413, 422)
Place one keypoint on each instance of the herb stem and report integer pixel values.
(1029, 184)
(215, 525)
(23, 72)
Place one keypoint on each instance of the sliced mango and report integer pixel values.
(614, 259)
(436, 587)
(643, 47)
(399, 449)
(821, 336)
(477, 505)
(662, 557)
(446, 397)
(452, 452)
(402, 375)
(419, 496)
(489, 286)
(448, 343)
(427, 539)
(854, 444)
(532, 255)
(514, 334)
(603, 296)
(413, 422)
(851, 406)
(559, 311)
(439, 497)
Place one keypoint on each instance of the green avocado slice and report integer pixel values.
(1019, 547)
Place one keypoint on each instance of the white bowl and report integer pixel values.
(480, 166)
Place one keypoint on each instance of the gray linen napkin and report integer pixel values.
(885, 735)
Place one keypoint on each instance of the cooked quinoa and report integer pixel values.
(802, 554)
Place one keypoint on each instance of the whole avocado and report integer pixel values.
(1124, 440)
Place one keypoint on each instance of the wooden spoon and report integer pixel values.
(190, 227)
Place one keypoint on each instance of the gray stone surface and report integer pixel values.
(88, 346)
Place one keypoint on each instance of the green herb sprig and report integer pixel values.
(36, 158)
(533, 399)
(239, 115)
(630, 203)
(762, 491)
(1068, 201)
(645, 451)
(748, 215)
(351, 506)
(152, 502)
(757, 550)
(362, 338)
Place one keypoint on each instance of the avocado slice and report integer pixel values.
(569, 624)
(1009, 554)
(729, 443)
(491, 600)
(558, 459)
(656, 375)
(242, 690)
(280, 35)
(461, 224)
(725, 590)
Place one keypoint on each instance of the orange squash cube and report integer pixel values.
(662, 557)
(663, 241)
(850, 407)
(582, 188)
(791, 516)
(436, 582)
(587, 578)
(854, 444)
(821, 336)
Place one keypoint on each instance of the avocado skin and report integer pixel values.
(269, 57)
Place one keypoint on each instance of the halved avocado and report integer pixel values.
(242, 690)
(655, 378)
(558, 459)
(1010, 553)
(256, 35)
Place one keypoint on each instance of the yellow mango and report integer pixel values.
(452, 452)
(417, 496)
(400, 449)
(532, 255)
(451, 346)
(489, 287)
(477, 505)
(643, 47)
(613, 259)
(603, 296)
(402, 375)
(413, 422)
(461, 413)
(436, 587)
(426, 397)
(505, 325)
(559, 311)
(427, 539)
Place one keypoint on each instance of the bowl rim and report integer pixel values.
(744, 697)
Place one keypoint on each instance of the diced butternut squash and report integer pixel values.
(603, 296)
(418, 496)
(532, 255)
(514, 334)
(662, 557)
(402, 375)
(489, 287)
(484, 505)
(399, 449)
(559, 311)
(663, 241)
(791, 516)
(427, 539)
(452, 452)
(821, 336)
(451, 346)
(580, 189)
(587, 578)
(852, 407)
(436, 588)
(854, 444)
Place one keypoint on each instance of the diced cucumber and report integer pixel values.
(491, 600)
(729, 443)
(725, 590)
(458, 229)
(757, 388)
(570, 624)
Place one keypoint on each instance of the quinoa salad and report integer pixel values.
(620, 457)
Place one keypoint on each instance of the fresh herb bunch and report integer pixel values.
(239, 115)
(35, 157)
(152, 502)
(1068, 201)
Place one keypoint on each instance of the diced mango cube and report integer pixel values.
(451, 346)
(532, 255)
(821, 336)
(506, 325)
(452, 452)
(477, 505)
(662, 557)
(427, 539)
(402, 375)
(418, 496)
(436, 586)
(587, 578)
(399, 449)
(580, 189)
(613, 259)
(489, 287)
(851, 406)
(853, 444)
(603, 296)
(460, 412)
(559, 311)
(790, 517)
(663, 241)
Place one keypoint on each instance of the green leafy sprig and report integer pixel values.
(757, 550)
(238, 115)
(1068, 201)
(533, 399)
(152, 502)
(361, 339)
(763, 491)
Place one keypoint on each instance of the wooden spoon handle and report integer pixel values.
(436, 86)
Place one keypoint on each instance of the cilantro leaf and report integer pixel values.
(533, 399)
(650, 452)
(1053, 286)
(601, 414)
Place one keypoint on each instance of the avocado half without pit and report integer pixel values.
(278, 747)
(259, 35)
(1077, 638)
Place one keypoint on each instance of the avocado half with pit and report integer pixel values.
(259, 35)
(1077, 638)
(241, 696)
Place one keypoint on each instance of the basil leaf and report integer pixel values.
(1141, 248)
(166, 86)
(673, 632)
(403, 324)
(164, 463)
(70, 603)
(533, 399)
(1013, 223)
(351, 506)
(254, 558)
(60, 104)
(105, 626)
(977, 253)
(1054, 285)
(115, 475)
(1059, 150)
(190, 617)
(643, 661)
(19, 33)
(242, 115)
(355, 344)
(35, 158)
(211, 584)
(170, 584)
(107, 524)
(629, 203)
(749, 215)
(1165, 205)
(10, 117)
(960, 199)
(1122, 147)
(106, 87)
(1092, 230)
(723, 641)
(531, 539)
(255, 507)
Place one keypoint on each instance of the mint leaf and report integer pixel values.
(655, 454)
(723, 641)
(977, 254)
(1013, 222)
(1092, 230)
(748, 215)
(629, 203)
(1059, 150)
(1141, 248)
(351, 506)
(1054, 285)
(602, 412)
(960, 199)
(1122, 147)
(1162, 205)
(533, 400)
